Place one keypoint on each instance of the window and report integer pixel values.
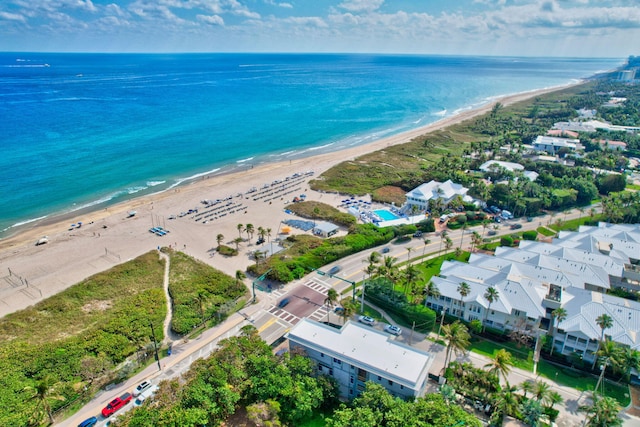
(351, 379)
(390, 382)
(337, 361)
(321, 354)
(401, 387)
(379, 378)
(582, 341)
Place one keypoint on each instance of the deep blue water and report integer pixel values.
(81, 130)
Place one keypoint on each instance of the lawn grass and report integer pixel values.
(545, 231)
(523, 359)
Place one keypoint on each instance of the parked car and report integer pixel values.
(283, 303)
(516, 226)
(492, 232)
(417, 234)
(146, 394)
(116, 404)
(392, 329)
(89, 422)
(338, 311)
(335, 269)
(144, 385)
(385, 250)
(367, 320)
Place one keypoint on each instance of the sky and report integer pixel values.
(564, 28)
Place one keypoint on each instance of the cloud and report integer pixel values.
(211, 19)
(12, 17)
(308, 21)
(284, 5)
(361, 5)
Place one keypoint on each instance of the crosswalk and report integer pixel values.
(319, 314)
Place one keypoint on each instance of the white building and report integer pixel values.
(573, 272)
(356, 354)
(593, 125)
(445, 191)
(552, 145)
(489, 165)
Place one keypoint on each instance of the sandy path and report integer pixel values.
(30, 273)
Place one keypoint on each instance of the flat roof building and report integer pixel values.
(356, 354)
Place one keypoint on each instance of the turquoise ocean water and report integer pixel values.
(89, 130)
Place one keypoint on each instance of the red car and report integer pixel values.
(116, 404)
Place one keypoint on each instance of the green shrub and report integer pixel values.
(530, 235)
(506, 241)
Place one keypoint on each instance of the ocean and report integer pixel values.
(90, 130)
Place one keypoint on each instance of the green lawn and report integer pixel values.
(523, 359)
(545, 231)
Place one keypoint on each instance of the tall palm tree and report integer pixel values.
(409, 250)
(240, 228)
(268, 234)
(462, 230)
(424, 248)
(463, 289)
(372, 260)
(249, 229)
(389, 270)
(527, 387)
(448, 243)
(603, 412)
(605, 322)
(219, 239)
(505, 401)
(330, 301)
(43, 393)
(476, 240)
(501, 364)
(557, 316)
(491, 295)
(458, 339)
(237, 241)
(443, 236)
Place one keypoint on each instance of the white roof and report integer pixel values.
(326, 227)
(434, 190)
(585, 307)
(556, 142)
(366, 347)
(486, 166)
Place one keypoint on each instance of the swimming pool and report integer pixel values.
(386, 215)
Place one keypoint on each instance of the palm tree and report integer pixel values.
(463, 289)
(630, 361)
(448, 243)
(464, 228)
(605, 322)
(239, 227)
(219, 239)
(603, 412)
(526, 386)
(249, 229)
(443, 237)
(458, 339)
(531, 412)
(424, 248)
(237, 241)
(330, 301)
(541, 390)
(431, 290)
(240, 276)
(389, 270)
(348, 309)
(500, 364)
(505, 401)
(476, 240)
(372, 259)
(268, 234)
(409, 255)
(43, 393)
(491, 295)
(557, 316)
(553, 398)
(411, 274)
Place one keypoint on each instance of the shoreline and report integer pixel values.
(109, 236)
(13, 232)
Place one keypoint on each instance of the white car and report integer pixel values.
(392, 329)
(367, 320)
(144, 385)
(148, 393)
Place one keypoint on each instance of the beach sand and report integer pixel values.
(30, 273)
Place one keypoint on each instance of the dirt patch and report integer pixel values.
(96, 306)
(634, 408)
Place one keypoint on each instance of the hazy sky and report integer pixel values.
(609, 28)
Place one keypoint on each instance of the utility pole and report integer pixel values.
(441, 322)
(155, 346)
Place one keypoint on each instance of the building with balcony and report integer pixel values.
(445, 191)
(573, 272)
(356, 354)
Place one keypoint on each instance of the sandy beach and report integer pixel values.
(30, 273)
